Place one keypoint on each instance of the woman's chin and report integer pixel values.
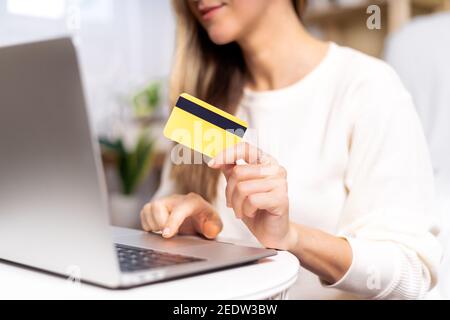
(220, 38)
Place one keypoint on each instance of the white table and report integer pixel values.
(270, 278)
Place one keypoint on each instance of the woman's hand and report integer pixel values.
(258, 194)
(185, 214)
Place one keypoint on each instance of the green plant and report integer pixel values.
(147, 100)
(132, 166)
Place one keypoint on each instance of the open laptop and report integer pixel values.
(53, 202)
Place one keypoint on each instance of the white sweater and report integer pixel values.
(358, 167)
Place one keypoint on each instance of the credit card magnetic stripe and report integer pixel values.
(212, 117)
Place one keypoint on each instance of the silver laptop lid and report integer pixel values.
(53, 208)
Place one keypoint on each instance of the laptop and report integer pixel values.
(53, 200)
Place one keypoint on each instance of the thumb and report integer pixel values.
(209, 225)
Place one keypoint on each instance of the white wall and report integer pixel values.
(122, 44)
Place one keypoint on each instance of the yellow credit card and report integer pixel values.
(203, 127)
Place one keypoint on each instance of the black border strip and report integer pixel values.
(211, 117)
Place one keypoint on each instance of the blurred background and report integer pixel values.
(125, 50)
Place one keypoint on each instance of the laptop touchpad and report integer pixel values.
(155, 241)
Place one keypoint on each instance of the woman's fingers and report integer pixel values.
(270, 202)
(208, 223)
(170, 214)
(247, 172)
(245, 189)
(179, 214)
(206, 226)
(146, 218)
(154, 215)
(212, 228)
(145, 224)
(242, 151)
(160, 215)
(249, 210)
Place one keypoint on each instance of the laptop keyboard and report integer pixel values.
(132, 259)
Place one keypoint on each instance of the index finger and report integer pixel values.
(242, 151)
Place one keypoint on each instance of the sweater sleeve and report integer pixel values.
(387, 218)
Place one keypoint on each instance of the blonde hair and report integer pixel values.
(213, 73)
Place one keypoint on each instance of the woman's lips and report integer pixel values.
(208, 13)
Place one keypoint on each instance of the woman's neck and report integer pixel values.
(280, 52)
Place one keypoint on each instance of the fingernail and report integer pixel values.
(211, 163)
(166, 232)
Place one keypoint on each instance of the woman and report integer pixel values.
(341, 132)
